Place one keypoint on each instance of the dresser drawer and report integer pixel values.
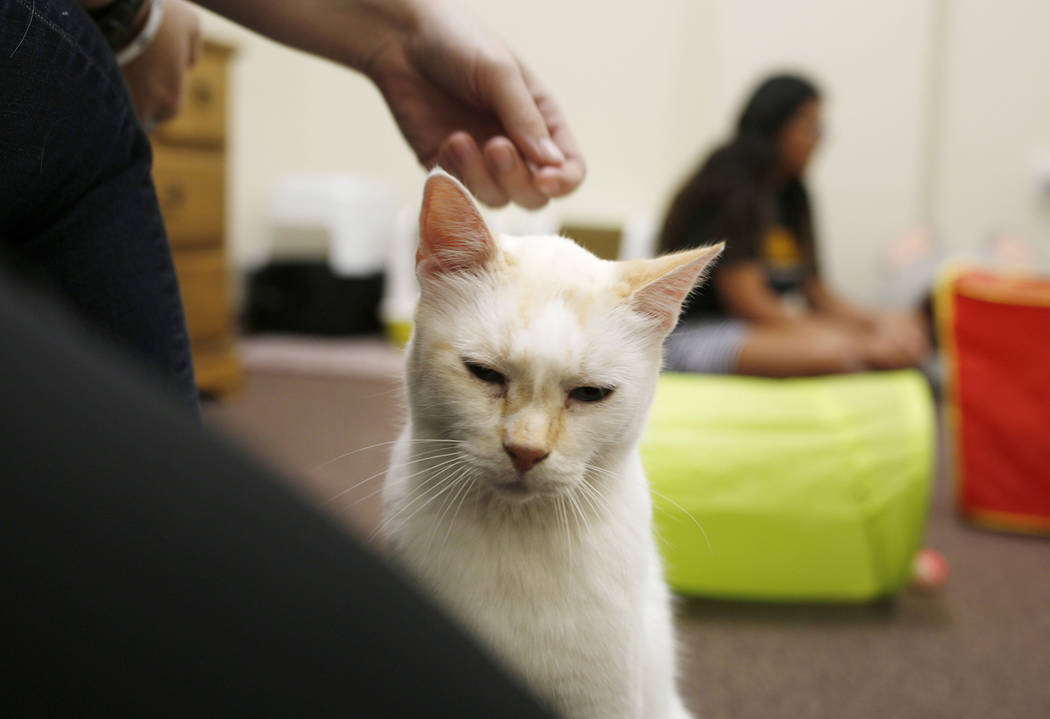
(217, 367)
(191, 189)
(202, 119)
(205, 287)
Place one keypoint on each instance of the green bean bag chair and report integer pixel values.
(809, 489)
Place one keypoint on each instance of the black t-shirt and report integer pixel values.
(773, 231)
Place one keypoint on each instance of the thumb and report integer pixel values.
(521, 118)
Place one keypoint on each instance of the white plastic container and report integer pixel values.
(347, 219)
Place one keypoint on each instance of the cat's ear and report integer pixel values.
(659, 286)
(453, 236)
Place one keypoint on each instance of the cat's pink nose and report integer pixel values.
(525, 458)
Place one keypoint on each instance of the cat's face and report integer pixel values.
(541, 358)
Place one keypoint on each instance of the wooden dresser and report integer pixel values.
(189, 170)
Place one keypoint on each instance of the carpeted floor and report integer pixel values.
(978, 648)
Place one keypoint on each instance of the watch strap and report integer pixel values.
(117, 20)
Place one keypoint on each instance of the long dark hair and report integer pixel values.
(733, 183)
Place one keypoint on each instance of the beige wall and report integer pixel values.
(870, 62)
(290, 111)
(648, 88)
(995, 125)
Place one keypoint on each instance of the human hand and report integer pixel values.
(156, 78)
(463, 100)
(897, 340)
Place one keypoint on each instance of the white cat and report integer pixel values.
(516, 494)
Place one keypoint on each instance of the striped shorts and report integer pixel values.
(705, 346)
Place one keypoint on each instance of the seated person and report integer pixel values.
(766, 310)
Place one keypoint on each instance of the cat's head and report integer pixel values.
(539, 357)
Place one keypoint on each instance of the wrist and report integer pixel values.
(137, 23)
(848, 315)
(378, 29)
(859, 320)
(144, 31)
(115, 20)
(773, 317)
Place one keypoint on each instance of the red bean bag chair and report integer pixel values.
(995, 336)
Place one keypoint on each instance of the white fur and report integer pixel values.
(563, 583)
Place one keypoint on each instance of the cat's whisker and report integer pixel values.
(579, 502)
(380, 489)
(600, 500)
(442, 488)
(656, 505)
(436, 482)
(578, 511)
(384, 471)
(584, 497)
(376, 446)
(373, 493)
(688, 514)
(599, 470)
(596, 472)
(440, 470)
(564, 513)
(430, 483)
(590, 488)
(424, 488)
(446, 502)
(460, 483)
(440, 454)
(467, 481)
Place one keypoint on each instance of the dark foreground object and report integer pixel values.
(151, 570)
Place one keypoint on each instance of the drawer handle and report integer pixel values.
(202, 93)
(174, 195)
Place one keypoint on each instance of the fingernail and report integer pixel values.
(546, 184)
(502, 160)
(461, 151)
(550, 151)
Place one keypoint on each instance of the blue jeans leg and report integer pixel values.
(78, 210)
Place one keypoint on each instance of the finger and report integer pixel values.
(919, 349)
(166, 98)
(915, 341)
(555, 181)
(921, 333)
(196, 41)
(510, 172)
(902, 356)
(911, 339)
(459, 154)
(558, 181)
(516, 107)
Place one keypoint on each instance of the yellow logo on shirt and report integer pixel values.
(780, 249)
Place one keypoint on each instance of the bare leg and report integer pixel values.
(801, 349)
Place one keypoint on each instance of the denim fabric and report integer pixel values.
(78, 210)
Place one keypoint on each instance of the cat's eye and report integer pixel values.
(485, 374)
(590, 394)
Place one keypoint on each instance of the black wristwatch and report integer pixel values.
(117, 20)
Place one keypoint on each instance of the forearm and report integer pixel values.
(349, 32)
(763, 310)
(773, 315)
(824, 301)
(121, 31)
(745, 293)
